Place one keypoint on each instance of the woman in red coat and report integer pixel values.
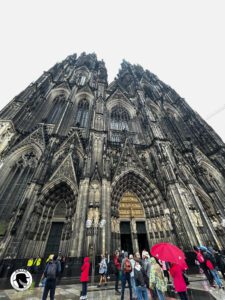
(180, 286)
(84, 278)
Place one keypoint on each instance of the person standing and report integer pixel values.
(176, 271)
(140, 285)
(30, 264)
(126, 269)
(84, 278)
(37, 264)
(157, 281)
(116, 261)
(102, 271)
(220, 261)
(164, 266)
(132, 261)
(146, 264)
(210, 263)
(53, 268)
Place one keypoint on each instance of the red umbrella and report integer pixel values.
(168, 252)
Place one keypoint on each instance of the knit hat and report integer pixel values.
(145, 253)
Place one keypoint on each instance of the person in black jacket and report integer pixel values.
(220, 262)
(139, 277)
(52, 270)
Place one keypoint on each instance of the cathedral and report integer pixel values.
(88, 166)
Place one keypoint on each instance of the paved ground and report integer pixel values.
(72, 292)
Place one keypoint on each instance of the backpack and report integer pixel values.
(200, 257)
(51, 270)
(127, 266)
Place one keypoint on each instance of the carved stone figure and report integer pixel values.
(197, 218)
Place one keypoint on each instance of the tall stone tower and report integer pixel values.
(88, 167)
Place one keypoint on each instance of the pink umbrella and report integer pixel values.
(168, 252)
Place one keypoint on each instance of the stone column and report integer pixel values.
(22, 248)
(134, 235)
(185, 235)
(212, 233)
(148, 230)
(79, 231)
(106, 214)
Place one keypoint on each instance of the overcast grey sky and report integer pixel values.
(182, 42)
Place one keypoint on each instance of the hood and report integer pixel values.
(86, 259)
(153, 260)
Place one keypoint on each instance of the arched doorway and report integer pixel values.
(133, 234)
(55, 234)
(50, 230)
(138, 213)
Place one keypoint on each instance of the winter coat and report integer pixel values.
(220, 261)
(147, 266)
(157, 279)
(176, 272)
(139, 276)
(85, 270)
(117, 263)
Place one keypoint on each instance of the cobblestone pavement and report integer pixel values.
(72, 292)
(63, 293)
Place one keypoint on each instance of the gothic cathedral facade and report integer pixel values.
(88, 165)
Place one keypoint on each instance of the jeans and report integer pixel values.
(132, 280)
(216, 277)
(142, 293)
(117, 274)
(84, 289)
(50, 285)
(183, 295)
(126, 278)
(207, 273)
(160, 294)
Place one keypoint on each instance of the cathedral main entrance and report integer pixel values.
(54, 238)
(133, 235)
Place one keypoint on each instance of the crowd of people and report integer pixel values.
(148, 278)
(145, 276)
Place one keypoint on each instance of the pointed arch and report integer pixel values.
(119, 118)
(16, 173)
(82, 114)
(50, 185)
(121, 102)
(56, 205)
(146, 191)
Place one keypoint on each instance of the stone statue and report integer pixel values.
(154, 225)
(96, 216)
(196, 218)
(215, 222)
(159, 225)
(113, 225)
(117, 226)
(169, 223)
(133, 225)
